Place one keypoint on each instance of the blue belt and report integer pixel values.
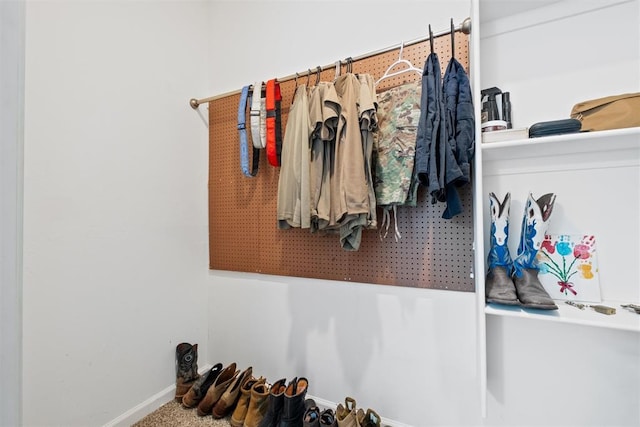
(244, 143)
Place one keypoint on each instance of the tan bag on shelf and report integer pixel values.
(611, 112)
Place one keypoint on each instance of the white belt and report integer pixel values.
(258, 117)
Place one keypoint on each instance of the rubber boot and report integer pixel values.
(294, 403)
(530, 291)
(258, 404)
(186, 368)
(276, 402)
(499, 287)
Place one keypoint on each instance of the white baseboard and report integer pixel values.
(157, 400)
(148, 406)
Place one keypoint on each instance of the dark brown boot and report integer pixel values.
(186, 368)
(276, 401)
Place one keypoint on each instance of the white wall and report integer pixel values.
(11, 155)
(540, 372)
(115, 216)
(407, 353)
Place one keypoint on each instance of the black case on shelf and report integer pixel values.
(554, 127)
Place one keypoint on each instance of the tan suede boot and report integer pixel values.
(346, 415)
(240, 412)
(228, 400)
(258, 404)
(217, 388)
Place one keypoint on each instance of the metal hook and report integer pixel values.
(349, 64)
(453, 42)
(318, 70)
(430, 38)
(308, 74)
(297, 75)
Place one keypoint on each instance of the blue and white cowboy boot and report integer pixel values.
(530, 291)
(499, 287)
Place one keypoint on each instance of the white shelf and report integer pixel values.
(568, 144)
(624, 319)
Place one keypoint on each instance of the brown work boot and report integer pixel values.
(217, 388)
(186, 368)
(228, 400)
(200, 387)
(240, 412)
(368, 419)
(258, 404)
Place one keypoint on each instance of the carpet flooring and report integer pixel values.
(172, 414)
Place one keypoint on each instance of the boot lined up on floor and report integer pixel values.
(515, 282)
(186, 368)
(253, 402)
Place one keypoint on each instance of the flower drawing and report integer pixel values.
(571, 258)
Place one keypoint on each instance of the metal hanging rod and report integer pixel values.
(464, 27)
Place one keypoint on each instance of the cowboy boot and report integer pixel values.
(258, 405)
(499, 287)
(218, 387)
(294, 403)
(276, 401)
(186, 368)
(229, 398)
(200, 387)
(530, 291)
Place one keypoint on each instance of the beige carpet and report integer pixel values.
(172, 414)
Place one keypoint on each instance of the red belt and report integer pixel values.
(273, 98)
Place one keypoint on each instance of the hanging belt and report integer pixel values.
(244, 144)
(257, 117)
(274, 127)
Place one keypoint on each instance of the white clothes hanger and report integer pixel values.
(409, 67)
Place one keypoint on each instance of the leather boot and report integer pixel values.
(200, 387)
(294, 403)
(346, 416)
(530, 291)
(311, 417)
(186, 368)
(499, 287)
(328, 418)
(240, 412)
(276, 401)
(228, 400)
(368, 419)
(218, 387)
(258, 404)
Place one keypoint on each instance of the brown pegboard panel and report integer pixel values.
(243, 236)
